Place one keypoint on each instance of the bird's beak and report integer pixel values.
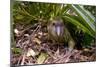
(58, 30)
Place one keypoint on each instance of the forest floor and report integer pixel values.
(30, 46)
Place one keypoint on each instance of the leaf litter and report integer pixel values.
(35, 48)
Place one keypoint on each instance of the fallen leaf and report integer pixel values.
(37, 41)
(16, 31)
(42, 58)
(31, 52)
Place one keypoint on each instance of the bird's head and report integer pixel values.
(56, 27)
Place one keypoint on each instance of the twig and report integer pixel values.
(35, 31)
(23, 59)
(19, 61)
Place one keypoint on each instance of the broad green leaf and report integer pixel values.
(88, 18)
(16, 50)
(19, 17)
(42, 57)
(77, 23)
(80, 21)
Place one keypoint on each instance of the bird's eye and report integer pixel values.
(53, 24)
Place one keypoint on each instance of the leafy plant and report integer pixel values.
(76, 15)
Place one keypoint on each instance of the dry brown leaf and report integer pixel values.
(37, 41)
(84, 58)
(16, 31)
(39, 36)
(40, 33)
(30, 52)
(45, 34)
